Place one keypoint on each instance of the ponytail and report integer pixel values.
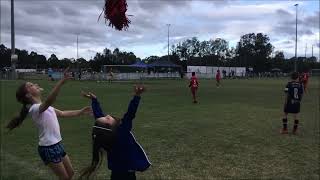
(97, 155)
(25, 101)
(17, 121)
(102, 140)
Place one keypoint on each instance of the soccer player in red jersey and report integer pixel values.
(194, 84)
(305, 79)
(218, 78)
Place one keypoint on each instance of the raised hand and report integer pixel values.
(88, 95)
(66, 74)
(86, 110)
(139, 89)
(54, 93)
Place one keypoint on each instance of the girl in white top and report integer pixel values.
(45, 116)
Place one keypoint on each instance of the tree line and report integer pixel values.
(252, 51)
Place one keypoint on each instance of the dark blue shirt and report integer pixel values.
(294, 92)
(126, 154)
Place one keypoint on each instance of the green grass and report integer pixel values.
(232, 133)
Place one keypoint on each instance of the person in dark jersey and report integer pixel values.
(294, 93)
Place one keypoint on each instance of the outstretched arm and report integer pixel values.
(133, 106)
(97, 111)
(54, 93)
(73, 113)
(95, 105)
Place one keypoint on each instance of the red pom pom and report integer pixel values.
(115, 12)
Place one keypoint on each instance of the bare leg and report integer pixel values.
(194, 96)
(295, 116)
(59, 170)
(68, 166)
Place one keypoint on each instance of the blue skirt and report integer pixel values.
(52, 154)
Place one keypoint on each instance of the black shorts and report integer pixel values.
(52, 154)
(292, 108)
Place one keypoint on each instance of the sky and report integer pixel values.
(51, 26)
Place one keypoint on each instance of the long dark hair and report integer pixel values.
(25, 101)
(103, 137)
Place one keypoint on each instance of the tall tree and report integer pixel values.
(151, 59)
(254, 50)
(54, 61)
(5, 55)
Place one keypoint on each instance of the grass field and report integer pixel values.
(232, 133)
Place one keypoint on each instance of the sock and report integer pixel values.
(285, 123)
(295, 126)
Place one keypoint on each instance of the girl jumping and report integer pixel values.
(45, 118)
(113, 135)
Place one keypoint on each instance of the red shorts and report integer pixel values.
(218, 79)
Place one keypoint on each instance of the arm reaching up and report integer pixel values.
(133, 106)
(54, 93)
(95, 105)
